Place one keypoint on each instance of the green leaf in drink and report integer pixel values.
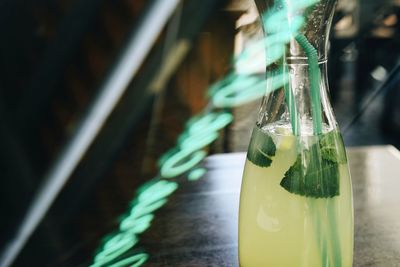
(315, 172)
(332, 147)
(262, 149)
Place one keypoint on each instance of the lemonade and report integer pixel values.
(278, 228)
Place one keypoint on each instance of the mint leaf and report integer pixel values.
(315, 172)
(293, 181)
(259, 159)
(262, 148)
(332, 147)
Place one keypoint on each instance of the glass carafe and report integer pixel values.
(296, 198)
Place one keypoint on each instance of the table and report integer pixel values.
(198, 226)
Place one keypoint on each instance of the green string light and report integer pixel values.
(115, 247)
(133, 261)
(196, 174)
(136, 225)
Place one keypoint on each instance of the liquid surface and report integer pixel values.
(278, 228)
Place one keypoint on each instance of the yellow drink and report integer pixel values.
(278, 228)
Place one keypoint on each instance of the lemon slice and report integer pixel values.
(286, 142)
(284, 139)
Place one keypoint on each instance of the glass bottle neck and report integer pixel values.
(296, 34)
(294, 104)
(308, 113)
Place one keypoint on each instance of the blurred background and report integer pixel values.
(64, 62)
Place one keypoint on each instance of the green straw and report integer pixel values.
(290, 101)
(315, 78)
(293, 113)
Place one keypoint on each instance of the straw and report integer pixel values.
(293, 113)
(290, 101)
(315, 78)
